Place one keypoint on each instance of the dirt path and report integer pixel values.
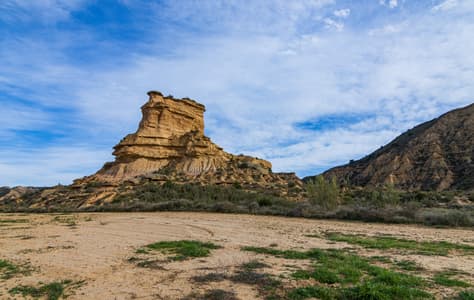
(96, 248)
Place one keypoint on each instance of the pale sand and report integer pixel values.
(97, 250)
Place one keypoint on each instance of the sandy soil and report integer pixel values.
(96, 248)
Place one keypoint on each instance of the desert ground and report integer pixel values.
(104, 255)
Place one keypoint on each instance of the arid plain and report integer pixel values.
(104, 256)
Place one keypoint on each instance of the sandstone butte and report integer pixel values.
(170, 140)
(169, 145)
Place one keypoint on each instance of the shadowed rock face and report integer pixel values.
(436, 155)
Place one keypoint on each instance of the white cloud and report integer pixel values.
(389, 3)
(331, 24)
(48, 166)
(388, 29)
(342, 13)
(446, 5)
(278, 16)
(257, 84)
(21, 117)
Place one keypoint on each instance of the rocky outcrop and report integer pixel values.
(436, 155)
(168, 146)
(170, 135)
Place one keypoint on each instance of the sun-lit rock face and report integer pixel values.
(168, 146)
(170, 140)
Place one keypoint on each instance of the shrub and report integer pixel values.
(323, 192)
(449, 217)
(386, 195)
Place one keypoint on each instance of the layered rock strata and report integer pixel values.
(168, 146)
(436, 155)
(170, 141)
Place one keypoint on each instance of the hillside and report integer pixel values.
(436, 155)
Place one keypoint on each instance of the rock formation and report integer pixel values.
(436, 155)
(171, 134)
(169, 146)
(170, 141)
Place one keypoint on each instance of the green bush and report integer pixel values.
(323, 192)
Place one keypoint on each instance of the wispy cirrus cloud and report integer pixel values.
(49, 165)
(45, 11)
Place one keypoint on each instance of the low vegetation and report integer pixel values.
(465, 295)
(446, 279)
(9, 269)
(68, 220)
(248, 273)
(408, 265)
(9, 221)
(216, 294)
(387, 242)
(209, 277)
(322, 192)
(50, 291)
(342, 275)
(181, 250)
(320, 198)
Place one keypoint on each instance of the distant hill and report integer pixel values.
(436, 155)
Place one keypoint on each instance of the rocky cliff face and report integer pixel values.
(436, 155)
(170, 142)
(169, 145)
(170, 135)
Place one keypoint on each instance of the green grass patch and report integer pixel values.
(365, 291)
(6, 221)
(9, 269)
(50, 291)
(387, 242)
(254, 264)
(375, 290)
(320, 292)
(184, 249)
(382, 259)
(68, 220)
(445, 279)
(342, 275)
(465, 295)
(141, 251)
(408, 265)
(288, 254)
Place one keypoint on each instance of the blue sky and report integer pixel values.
(306, 84)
